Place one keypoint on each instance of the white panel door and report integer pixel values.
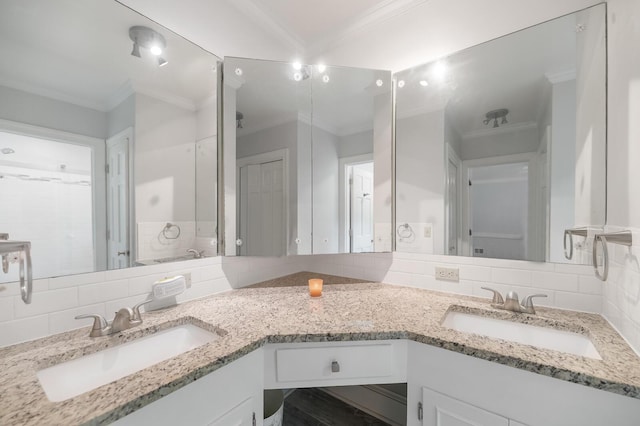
(118, 201)
(361, 211)
(442, 410)
(262, 227)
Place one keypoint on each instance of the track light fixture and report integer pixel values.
(495, 115)
(148, 39)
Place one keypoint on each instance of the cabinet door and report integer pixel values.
(240, 415)
(442, 410)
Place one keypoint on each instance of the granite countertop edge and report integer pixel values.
(21, 361)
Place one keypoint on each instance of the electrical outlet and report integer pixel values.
(447, 274)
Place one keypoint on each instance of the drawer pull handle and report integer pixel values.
(335, 367)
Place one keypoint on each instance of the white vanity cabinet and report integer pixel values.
(447, 388)
(231, 395)
(303, 365)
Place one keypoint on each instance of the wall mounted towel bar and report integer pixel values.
(623, 238)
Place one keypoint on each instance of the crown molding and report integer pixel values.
(561, 76)
(508, 128)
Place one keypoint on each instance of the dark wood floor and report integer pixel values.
(312, 407)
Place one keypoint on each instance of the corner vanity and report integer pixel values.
(280, 338)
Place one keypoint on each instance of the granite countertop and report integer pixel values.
(281, 311)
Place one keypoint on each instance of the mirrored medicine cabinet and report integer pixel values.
(502, 146)
(307, 154)
(108, 151)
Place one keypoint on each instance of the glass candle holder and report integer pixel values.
(315, 287)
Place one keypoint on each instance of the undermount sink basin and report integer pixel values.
(541, 337)
(75, 377)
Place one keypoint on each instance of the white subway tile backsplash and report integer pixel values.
(13, 288)
(475, 273)
(511, 276)
(65, 320)
(21, 330)
(75, 280)
(578, 302)
(95, 293)
(46, 301)
(6, 308)
(549, 280)
(590, 285)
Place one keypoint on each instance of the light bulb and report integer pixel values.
(297, 66)
(440, 70)
(321, 68)
(424, 83)
(325, 78)
(155, 50)
(379, 82)
(297, 76)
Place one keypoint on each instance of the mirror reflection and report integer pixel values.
(312, 149)
(501, 147)
(106, 121)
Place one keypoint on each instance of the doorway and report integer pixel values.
(356, 218)
(262, 205)
(118, 181)
(497, 209)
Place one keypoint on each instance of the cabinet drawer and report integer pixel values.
(316, 363)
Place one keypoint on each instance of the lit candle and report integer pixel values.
(315, 287)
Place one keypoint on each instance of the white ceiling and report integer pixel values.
(312, 27)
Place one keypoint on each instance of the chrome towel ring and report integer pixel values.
(623, 238)
(582, 232)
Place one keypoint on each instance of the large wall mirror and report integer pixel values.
(311, 147)
(104, 140)
(502, 146)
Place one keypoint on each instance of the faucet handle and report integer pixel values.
(136, 310)
(99, 322)
(497, 297)
(527, 302)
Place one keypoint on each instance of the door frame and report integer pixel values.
(344, 243)
(131, 199)
(98, 177)
(452, 157)
(527, 157)
(266, 157)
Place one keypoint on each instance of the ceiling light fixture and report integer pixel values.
(238, 72)
(424, 83)
(401, 84)
(149, 39)
(495, 115)
(297, 65)
(321, 68)
(379, 82)
(325, 78)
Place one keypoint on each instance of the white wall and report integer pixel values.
(562, 177)
(420, 185)
(356, 144)
(122, 116)
(622, 290)
(501, 141)
(325, 204)
(23, 107)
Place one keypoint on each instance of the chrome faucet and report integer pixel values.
(511, 303)
(125, 318)
(197, 254)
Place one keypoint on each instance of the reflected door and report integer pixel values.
(361, 217)
(262, 207)
(118, 201)
(452, 205)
